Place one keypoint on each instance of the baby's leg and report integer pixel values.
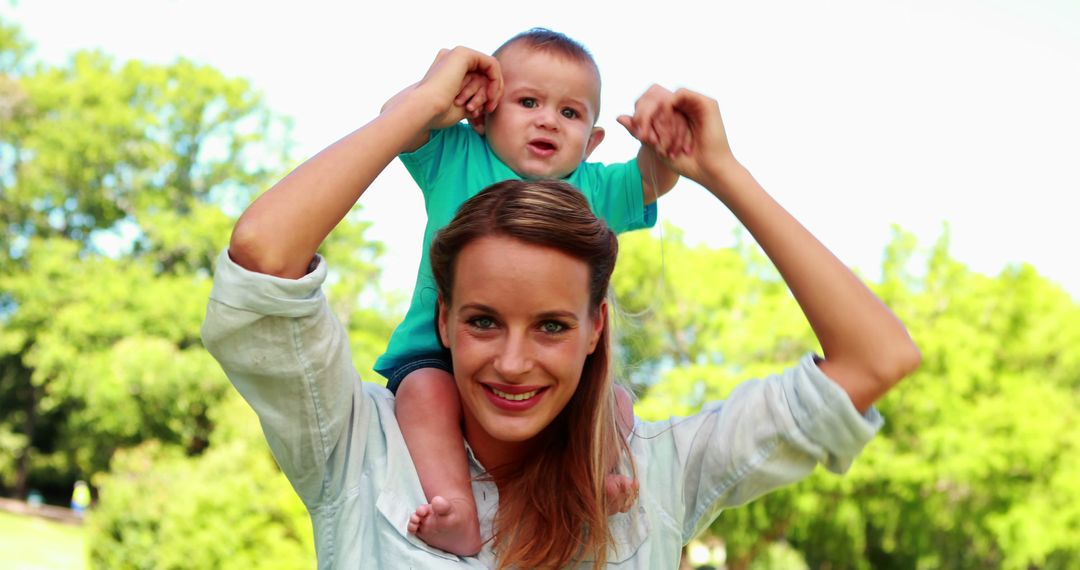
(429, 413)
(620, 489)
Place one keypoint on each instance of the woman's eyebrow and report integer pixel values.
(478, 307)
(565, 315)
(553, 314)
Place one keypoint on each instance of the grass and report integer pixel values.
(30, 543)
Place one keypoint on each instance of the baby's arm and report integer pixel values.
(658, 125)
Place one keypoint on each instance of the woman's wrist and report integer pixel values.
(721, 174)
(412, 115)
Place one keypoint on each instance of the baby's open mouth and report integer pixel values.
(542, 146)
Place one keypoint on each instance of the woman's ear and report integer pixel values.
(598, 323)
(444, 335)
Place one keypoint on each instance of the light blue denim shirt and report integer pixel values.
(338, 442)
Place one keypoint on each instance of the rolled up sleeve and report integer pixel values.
(288, 356)
(768, 433)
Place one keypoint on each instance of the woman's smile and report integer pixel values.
(515, 402)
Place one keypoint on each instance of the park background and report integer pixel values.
(931, 145)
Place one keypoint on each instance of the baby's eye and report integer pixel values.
(483, 323)
(552, 327)
(528, 102)
(570, 113)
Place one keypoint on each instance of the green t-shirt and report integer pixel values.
(455, 165)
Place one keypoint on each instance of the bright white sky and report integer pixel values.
(854, 114)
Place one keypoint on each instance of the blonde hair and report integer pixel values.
(552, 506)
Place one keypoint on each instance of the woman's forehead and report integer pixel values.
(509, 274)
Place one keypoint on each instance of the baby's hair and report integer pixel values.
(557, 43)
(550, 41)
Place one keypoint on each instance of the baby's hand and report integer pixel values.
(658, 123)
(474, 95)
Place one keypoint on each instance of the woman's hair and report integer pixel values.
(551, 507)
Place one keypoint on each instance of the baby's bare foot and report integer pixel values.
(621, 493)
(447, 526)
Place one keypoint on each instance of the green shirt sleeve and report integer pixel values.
(615, 193)
(424, 163)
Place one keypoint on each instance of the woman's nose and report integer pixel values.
(515, 358)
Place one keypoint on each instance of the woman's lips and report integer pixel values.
(516, 401)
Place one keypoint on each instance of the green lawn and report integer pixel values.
(30, 543)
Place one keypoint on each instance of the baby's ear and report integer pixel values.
(595, 138)
(477, 124)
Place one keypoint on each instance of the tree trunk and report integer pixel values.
(23, 468)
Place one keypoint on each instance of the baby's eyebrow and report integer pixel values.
(524, 90)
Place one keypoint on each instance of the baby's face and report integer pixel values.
(543, 126)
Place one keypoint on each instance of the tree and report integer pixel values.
(120, 184)
(119, 181)
(976, 466)
(165, 510)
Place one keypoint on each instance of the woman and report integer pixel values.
(522, 273)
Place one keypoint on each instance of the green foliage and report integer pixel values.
(111, 350)
(163, 510)
(693, 310)
(119, 185)
(118, 181)
(977, 464)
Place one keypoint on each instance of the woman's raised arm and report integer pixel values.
(281, 231)
(866, 348)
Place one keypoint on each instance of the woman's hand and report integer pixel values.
(686, 130)
(280, 232)
(866, 348)
(655, 122)
(460, 83)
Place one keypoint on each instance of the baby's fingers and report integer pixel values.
(687, 135)
(473, 94)
(634, 128)
(681, 135)
(667, 134)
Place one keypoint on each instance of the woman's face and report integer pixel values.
(519, 328)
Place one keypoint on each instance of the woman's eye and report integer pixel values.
(569, 113)
(552, 327)
(482, 322)
(528, 102)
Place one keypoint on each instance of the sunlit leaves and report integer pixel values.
(976, 465)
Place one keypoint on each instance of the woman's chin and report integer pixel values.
(514, 431)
